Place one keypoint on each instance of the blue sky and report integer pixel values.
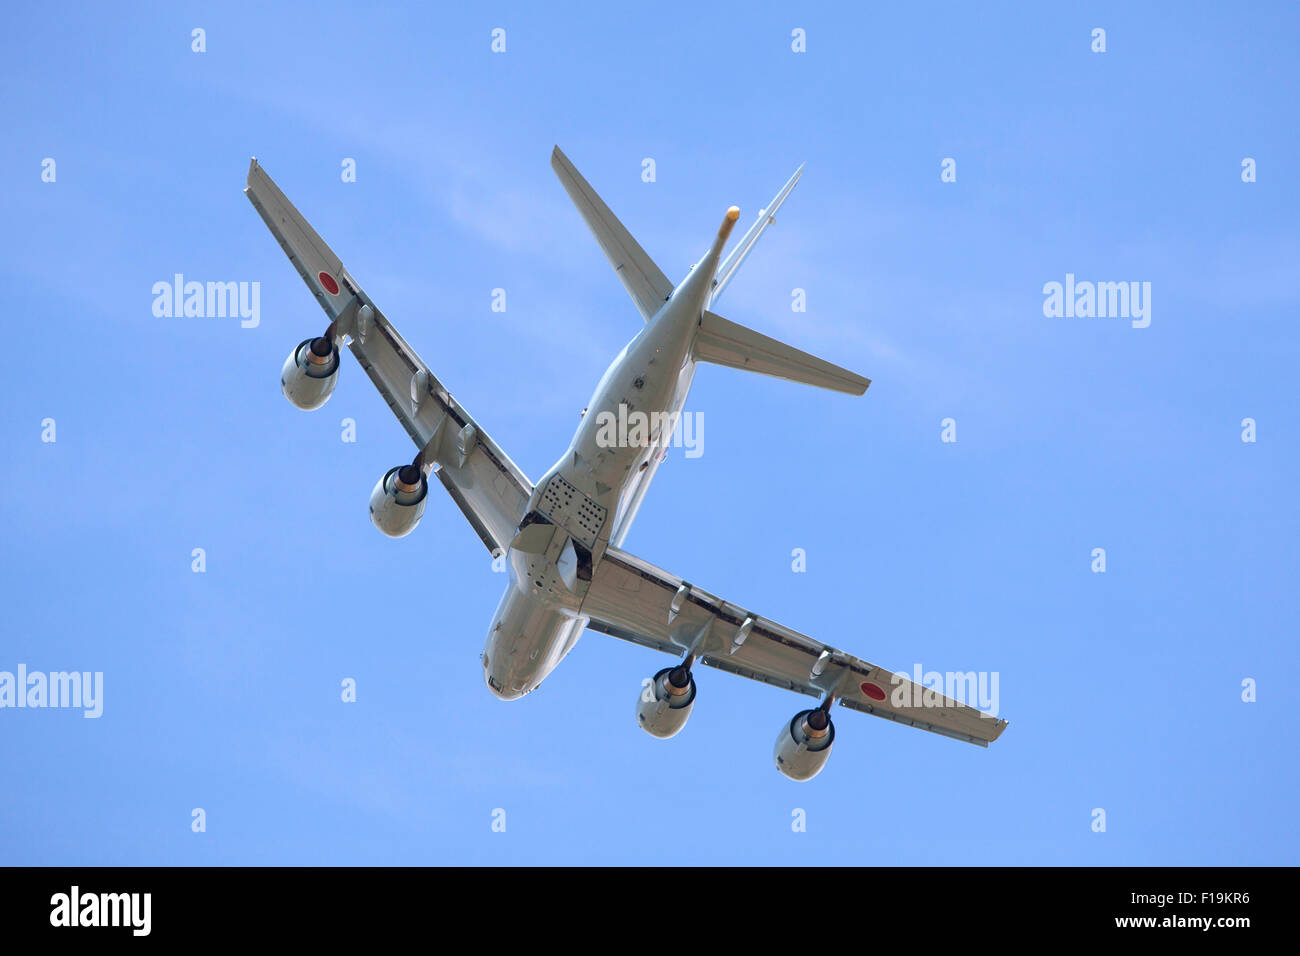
(222, 689)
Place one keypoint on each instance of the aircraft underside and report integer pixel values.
(562, 537)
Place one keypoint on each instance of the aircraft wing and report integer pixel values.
(638, 602)
(486, 485)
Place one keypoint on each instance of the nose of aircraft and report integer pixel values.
(502, 678)
(502, 691)
(526, 639)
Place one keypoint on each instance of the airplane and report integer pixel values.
(562, 537)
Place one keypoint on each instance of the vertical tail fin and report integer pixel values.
(765, 218)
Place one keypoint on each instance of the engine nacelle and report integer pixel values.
(310, 373)
(398, 500)
(804, 744)
(666, 702)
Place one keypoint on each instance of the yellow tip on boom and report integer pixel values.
(728, 222)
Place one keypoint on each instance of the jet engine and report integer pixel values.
(664, 705)
(398, 500)
(310, 373)
(804, 744)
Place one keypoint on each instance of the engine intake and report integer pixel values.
(666, 702)
(804, 744)
(397, 501)
(310, 373)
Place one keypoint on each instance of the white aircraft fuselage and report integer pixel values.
(539, 618)
(562, 538)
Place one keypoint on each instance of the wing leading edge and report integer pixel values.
(633, 600)
(486, 485)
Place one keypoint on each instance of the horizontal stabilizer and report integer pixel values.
(644, 281)
(723, 342)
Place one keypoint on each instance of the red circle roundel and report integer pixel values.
(327, 283)
(874, 691)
